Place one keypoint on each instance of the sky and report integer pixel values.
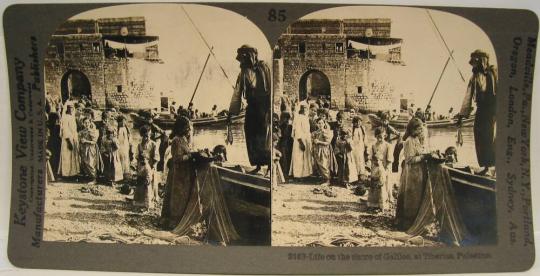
(184, 52)
(424, 52)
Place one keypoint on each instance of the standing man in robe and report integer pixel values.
(69, 149)
(483, 89)
(254, 85)
(301, 157)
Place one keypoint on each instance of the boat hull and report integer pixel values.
(248, 199)
(476, 198)
(376, 121)
(168, 122)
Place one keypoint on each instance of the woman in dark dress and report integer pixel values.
(285, 141)
(54, 142)
(181, 177)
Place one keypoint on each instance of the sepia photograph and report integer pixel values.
(384, 130)
(158, 127)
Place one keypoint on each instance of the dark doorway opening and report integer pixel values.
(75, 84)
(314, 84)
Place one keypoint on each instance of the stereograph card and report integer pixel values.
(270, 138)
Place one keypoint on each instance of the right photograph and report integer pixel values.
(384, 130)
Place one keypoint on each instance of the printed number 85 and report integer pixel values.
(276, 15)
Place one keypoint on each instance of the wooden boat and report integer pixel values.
(476, 198)
(248, 199)
(167, 121)
(402, 123)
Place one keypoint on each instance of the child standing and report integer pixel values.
(359, 146)
(111, 159)
(147, 158)
(347, 172)
(91, 163)
(380, 192)
(322, 151)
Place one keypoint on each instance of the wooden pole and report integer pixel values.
(440, 77)
(200, 77)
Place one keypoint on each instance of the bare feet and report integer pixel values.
(256, 170)
(484, 171)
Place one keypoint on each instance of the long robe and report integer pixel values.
(254, 84)
(124, 142)
(111, 160)
(69, 155)
(412, 183)
(301, 160)
(323, 157)
(483, 88)
(180, 183)
(380, 195)
(347, 172)
(91, 162)
(285, 145)
(146, 191)
(358, 145)
(54, 142)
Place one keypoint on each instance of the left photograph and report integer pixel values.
(158, 127)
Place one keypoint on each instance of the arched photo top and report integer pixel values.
(420, 40)
(165, 48)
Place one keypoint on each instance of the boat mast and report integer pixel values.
(440, 77)
(200, 77)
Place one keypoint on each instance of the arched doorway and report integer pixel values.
(314, 84)
(75, 84)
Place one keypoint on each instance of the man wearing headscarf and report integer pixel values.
(483, 88)
(301, 157)
(69, 150)
(254, 85)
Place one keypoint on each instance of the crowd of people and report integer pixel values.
(316, 144)
(89, 145)
(193, 113)
(424, 115)
(312, 143)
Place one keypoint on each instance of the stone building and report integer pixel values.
(102, 60)
(339, 60)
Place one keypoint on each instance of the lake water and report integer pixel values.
(209, 137)
(440, 139)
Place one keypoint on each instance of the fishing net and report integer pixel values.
(439, 209)
(206, 209)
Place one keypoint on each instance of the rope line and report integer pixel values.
(207, 45)
(445, 45)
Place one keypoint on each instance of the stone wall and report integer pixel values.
(112, 80)
(380, 27)
(75, 53)
(277, 83)
(320, 55)
(350, 85)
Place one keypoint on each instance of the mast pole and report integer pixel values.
(445, 45)
(440, 77)
(200, 77)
